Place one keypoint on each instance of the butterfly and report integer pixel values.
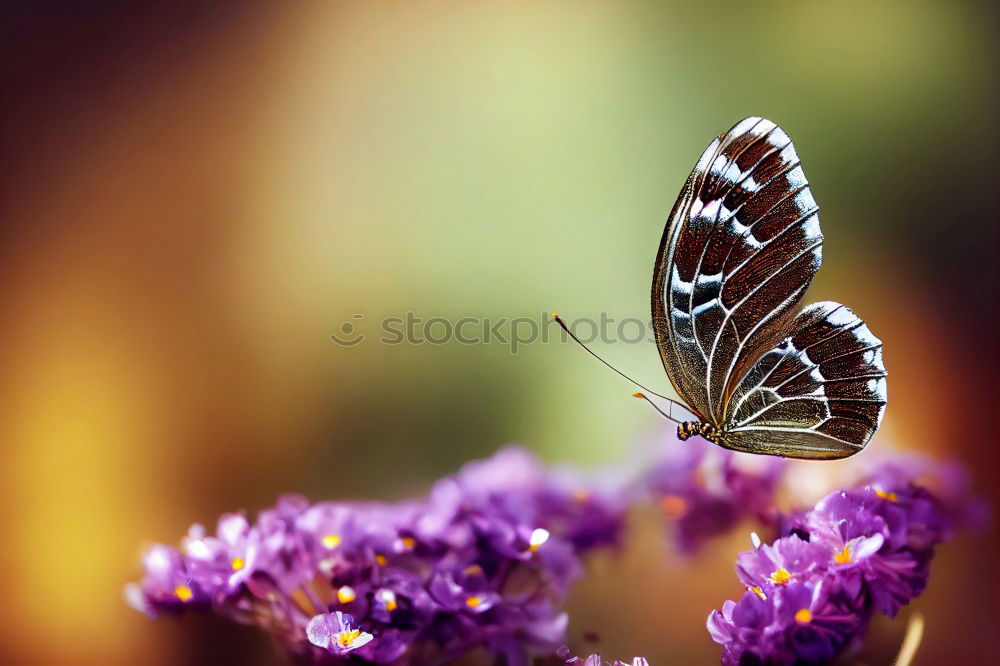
(756, 372)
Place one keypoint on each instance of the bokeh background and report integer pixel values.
(194, 198)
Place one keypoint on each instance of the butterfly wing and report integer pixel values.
(819, 393)
(740, 248)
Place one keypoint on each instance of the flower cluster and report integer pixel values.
(707, 490)
(485, 560)
(811, 592)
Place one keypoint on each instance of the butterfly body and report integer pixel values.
(738, 253)
(708, 431)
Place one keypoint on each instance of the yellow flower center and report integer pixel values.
(581, 496)
(758, 592)
(409, 543)
(887, 496)
(473, 570)
(674, 505)
(843, 557)
(345, 594)
(345, 638)
(381, 560)
(803, 616)
(331, 541)
(780, 577)
(473, 602)
(183, 592)
(238, 563)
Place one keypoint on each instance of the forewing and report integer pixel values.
(740, 248)
(819, 393)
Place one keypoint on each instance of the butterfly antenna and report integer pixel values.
(562, 324)
(643, 396)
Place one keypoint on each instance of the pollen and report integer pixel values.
(346, 638)
(581, 496)
(409, 543)
(238, 563)
(331, 541)
(843, 557)
(758, 592)
(891, 497)
(473, 602)
(382, 560)
(473, 570)
(638, 395)
(803, 616)
(538, 537)
(555, 315)
(780, 577)
(346, 595)
(183, 592)
(674, 505)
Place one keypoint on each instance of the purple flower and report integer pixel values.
(866, 551)
(587, 512)
(787, 559)
(485, 560)
(223, 562)
(335, 633)
(466, 591)
(708, 491)
(168, 585)
(798, 623)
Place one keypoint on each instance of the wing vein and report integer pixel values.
(744, 300)
(781, 360)
(717, 222)
(845, 329)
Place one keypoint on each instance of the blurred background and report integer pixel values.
(195, 198)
